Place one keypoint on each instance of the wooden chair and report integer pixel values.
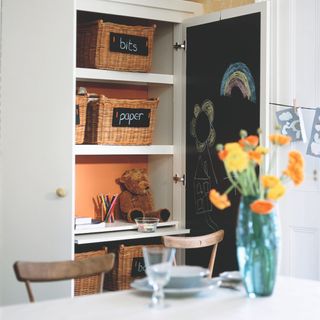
(28, 272)
(211, 239)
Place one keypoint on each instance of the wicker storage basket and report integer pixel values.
(81, 112)
(107, 121)
(95, 46)
(129, 265)
(88, 285)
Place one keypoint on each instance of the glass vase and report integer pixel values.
(257, 240)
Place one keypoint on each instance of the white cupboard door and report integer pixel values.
(37, 117)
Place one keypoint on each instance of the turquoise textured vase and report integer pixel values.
(257, 240)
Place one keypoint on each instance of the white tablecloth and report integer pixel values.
(292, 299)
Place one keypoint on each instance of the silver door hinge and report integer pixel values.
(177, 179)
(177, 45)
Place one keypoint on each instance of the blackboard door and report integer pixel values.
(226, 77)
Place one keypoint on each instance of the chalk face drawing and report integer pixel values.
(289, 123)
(314, 143)
(238, 75)
(202, 130)
(201, 127)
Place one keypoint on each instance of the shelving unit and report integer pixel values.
(121, 230)
(126, 235)
(163, 156)
(121, 150)
(118, 225)
(96, 75)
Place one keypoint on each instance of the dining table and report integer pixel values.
(292, 299)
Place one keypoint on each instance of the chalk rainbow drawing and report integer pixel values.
(238, 75)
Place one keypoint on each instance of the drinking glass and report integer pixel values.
(158, 262)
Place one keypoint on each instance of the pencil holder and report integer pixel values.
(106, 207)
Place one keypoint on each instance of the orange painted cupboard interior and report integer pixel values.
(97, 174)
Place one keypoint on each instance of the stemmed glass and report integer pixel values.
(158, 261)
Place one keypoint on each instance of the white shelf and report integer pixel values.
(126, 235)
(98, 75)
(123, 150)
(165, 10)
(119, 225)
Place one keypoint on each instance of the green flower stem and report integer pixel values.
(232, 181)
(261, 188)
(229, 189)
(246, 182)
(239, 178)
(254, 178)
(250, 181)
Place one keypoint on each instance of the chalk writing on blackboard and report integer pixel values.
(238, 75)
(201, 128)
(129, 44)
(201, 187)
(209, 219)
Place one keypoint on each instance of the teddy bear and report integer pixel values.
(135, 199)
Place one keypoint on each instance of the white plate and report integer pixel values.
(203, 286)
(230, 275)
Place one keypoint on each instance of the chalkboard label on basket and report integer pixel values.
(138, 267)
(77, 114)
(132, 118)
(126, 43)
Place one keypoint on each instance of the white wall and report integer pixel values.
(295, 74)
(1, 161)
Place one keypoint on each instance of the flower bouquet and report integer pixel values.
(242, 159)
(257, 237)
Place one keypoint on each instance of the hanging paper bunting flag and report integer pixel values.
(289, 123)
(314, 143)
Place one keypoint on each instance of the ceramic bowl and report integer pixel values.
(147, 224)
(186, 276)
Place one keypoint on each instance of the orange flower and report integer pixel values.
(218, 200)
(222, 154)
(295, 167)
(255, 156)
(279, 139)
(296, 157)
(251, 141)
(295, 174)
(261, 206)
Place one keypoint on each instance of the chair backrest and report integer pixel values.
(28, 272)
(211, 239)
